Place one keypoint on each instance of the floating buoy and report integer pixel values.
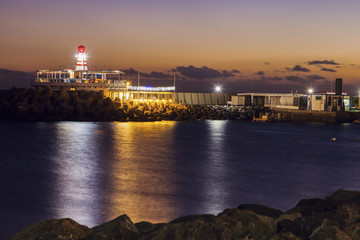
(333, 139)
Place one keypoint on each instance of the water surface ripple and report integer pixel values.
(94, 172)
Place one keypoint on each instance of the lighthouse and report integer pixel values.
(81, 64)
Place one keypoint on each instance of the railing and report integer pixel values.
(151, 89)
(37, 82)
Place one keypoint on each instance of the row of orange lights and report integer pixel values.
(151, 100)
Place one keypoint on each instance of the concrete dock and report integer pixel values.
(316, 116)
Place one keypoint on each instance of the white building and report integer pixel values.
(328, 101)
(271, 100)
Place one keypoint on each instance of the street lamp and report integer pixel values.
(217, 89)
(309, 99)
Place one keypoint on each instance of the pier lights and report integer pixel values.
(217, 89)
(310, 90)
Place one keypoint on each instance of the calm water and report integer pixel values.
(94, 172)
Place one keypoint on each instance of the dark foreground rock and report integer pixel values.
(43, 104)
(53, 229)
(335, 217)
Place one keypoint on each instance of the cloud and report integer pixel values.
(159, 75)
(227, 74)
(272, 79)
(314, 77)
(266, 63)
(295, 78)
(328, 62)
(353, 65)
(10, 78)
(235, 71)
(260, 73)
(130, 71)
(328, 70)
(202, 73)
(305, 79)
(298, 68)
(261, 80)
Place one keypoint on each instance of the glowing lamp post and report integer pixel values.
(81, 64)
(310, 91)
(217, 89)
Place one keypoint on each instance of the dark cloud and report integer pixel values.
(295, 78)
(328, 70)
(130, 71)
(260, 73)
(298, 68)
(329, 62)
(314, 77)
(262, 80)
(134, 73)
(266, 63)
(235, 71)
(305, 79)
(272, 79)
(202, 73)
(10, 78)
(228, 74)
(159, 75)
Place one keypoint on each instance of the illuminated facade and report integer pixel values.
(111, 82)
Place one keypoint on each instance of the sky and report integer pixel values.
(258, 45)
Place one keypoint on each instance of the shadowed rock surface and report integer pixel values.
(335, 217)
(261, 210)
(121, 228)
(53, 229)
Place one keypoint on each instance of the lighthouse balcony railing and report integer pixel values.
(39, 82)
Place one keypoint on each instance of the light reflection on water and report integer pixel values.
(76, 191)
(153, 172)
(94, 172)
(215, 190)
(102, 172)
(141, 175)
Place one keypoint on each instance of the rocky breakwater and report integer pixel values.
(43, 104)
(335, 217)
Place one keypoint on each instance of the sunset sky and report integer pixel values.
(258, 45)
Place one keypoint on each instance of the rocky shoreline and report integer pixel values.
(335, 217)
(43, 104)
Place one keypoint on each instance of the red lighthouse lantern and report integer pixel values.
(81, 49)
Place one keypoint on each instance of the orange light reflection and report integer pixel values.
(140, 188)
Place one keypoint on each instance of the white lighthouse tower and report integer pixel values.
(81, 64)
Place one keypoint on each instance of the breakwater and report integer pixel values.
(314, 116)
(43, 104)
(335, 217)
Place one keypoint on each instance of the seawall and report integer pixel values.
(315, 116)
